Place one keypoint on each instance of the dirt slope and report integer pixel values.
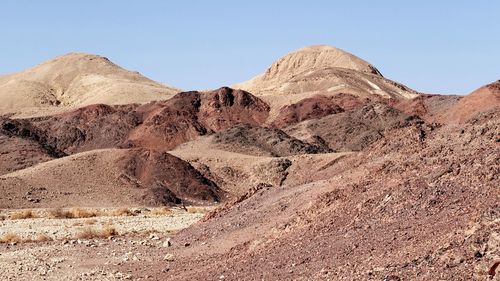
(75, 80)
(107, 178)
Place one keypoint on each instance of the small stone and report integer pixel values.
(168, 257)
(167, 243)
(154, 237)
(392, 278)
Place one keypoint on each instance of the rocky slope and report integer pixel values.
(421, 203)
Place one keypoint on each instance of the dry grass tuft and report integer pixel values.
(10, 238)
(74, 213)
(120, 212)
(42, 238)
(81, 213)
(21, 215)
(163, 211)
(196, 210)
(90, 221)
(104, 232)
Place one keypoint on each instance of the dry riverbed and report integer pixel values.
(87, 244)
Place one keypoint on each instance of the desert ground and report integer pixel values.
(320, 168)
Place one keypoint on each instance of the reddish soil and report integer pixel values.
(162, 125)
(482, 100)
(191, 114)
(315, 108)
(169, 177)
(427, 107)
(17, 153)
(421, 203)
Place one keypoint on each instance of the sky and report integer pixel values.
(448, 47)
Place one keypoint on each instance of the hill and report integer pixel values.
(74, 80)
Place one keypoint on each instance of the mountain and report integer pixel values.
(72, 81)
(327, 70)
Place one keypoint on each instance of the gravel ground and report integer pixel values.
(144, 238)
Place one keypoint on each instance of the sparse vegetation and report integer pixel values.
(90, 221)
(81, 213)
(161, 211)
(78, 213)
(73, 213)
(10, 238)
(120, 212)
(42, 238)
(25, 214)
(196, 210)
(104, 232)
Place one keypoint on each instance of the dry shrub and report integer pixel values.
(73, 213)
(90, 221)
(81, 213)
(42, 238)
(58, 214)
(196, 210)
(10, 238)
(89, 233)
(121, 212)
(21, 215)
(161, 211)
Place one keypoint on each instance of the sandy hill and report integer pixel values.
(107, 177)
(321, 70)
(75, 80)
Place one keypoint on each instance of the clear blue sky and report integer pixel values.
(431, 46)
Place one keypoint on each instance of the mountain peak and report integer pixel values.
(317, 57)
(323, 69)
